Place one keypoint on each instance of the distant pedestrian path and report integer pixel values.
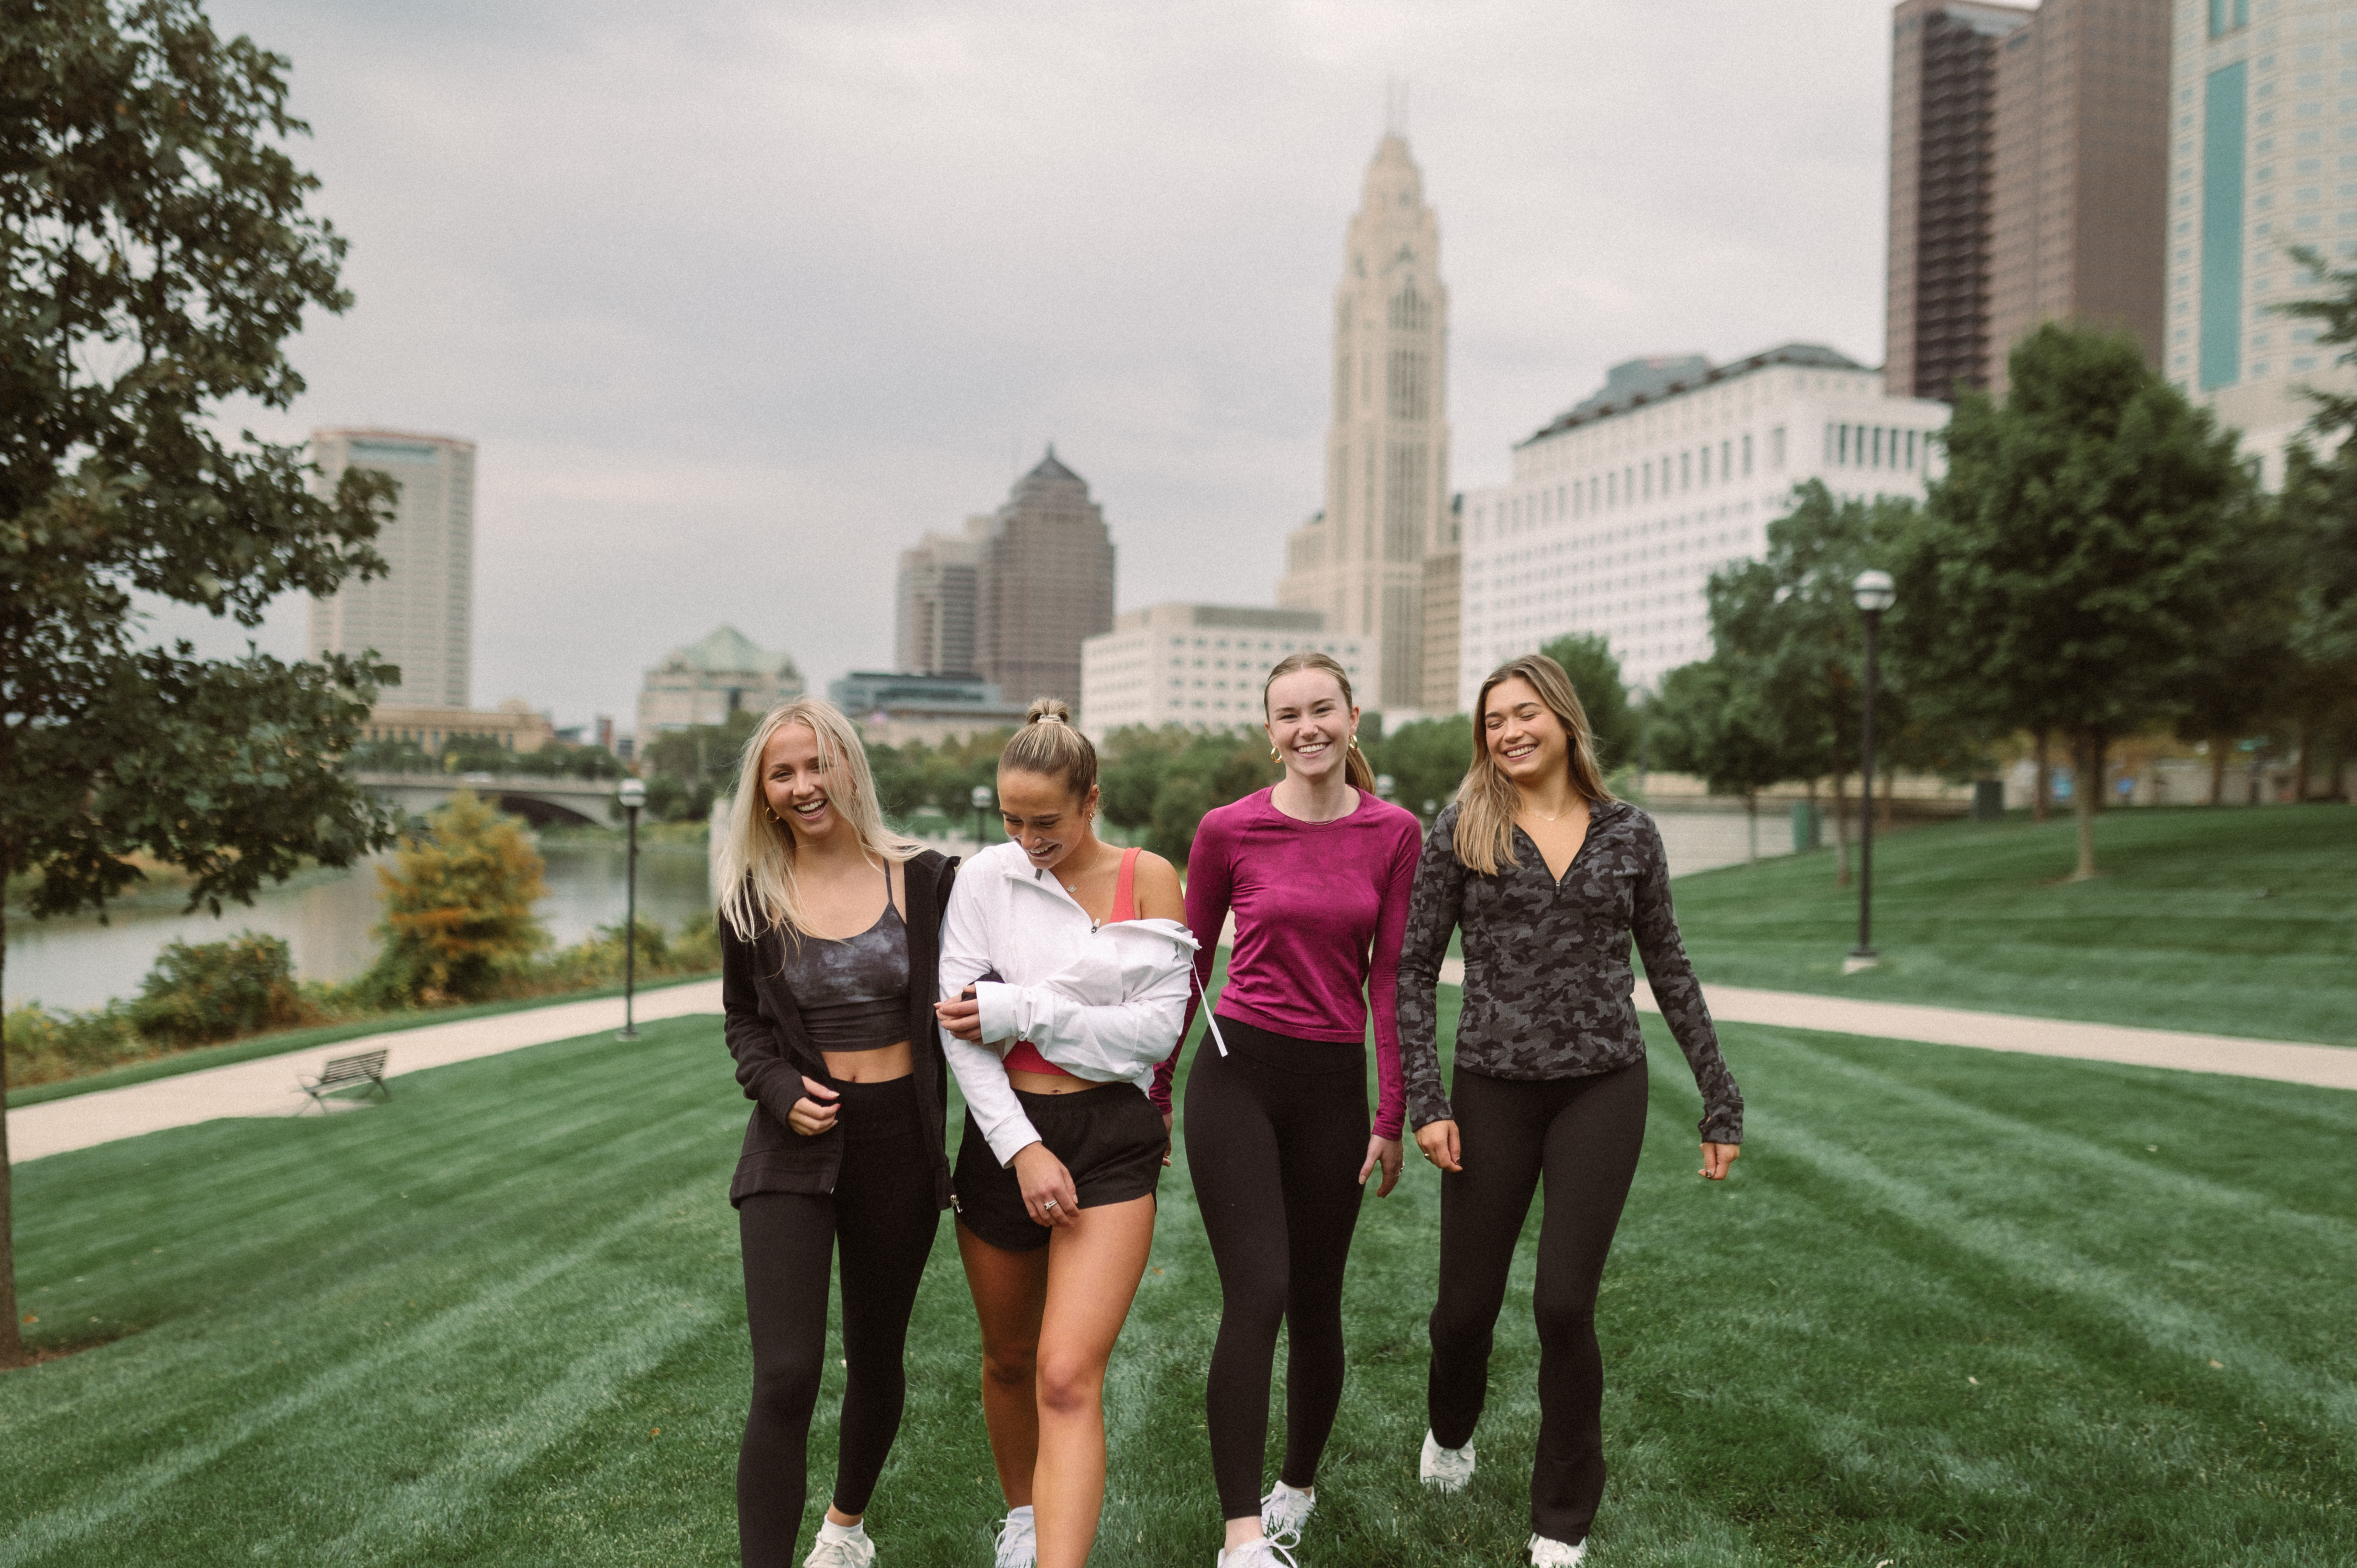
(267, 1087)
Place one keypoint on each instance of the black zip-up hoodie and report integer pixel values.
(774, 1055)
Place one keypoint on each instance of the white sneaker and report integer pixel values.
(1447, 1468)
(1283, 1513)
(852, 1551)
(1018, 1542)
(1546, 1553)
(1258, 1553)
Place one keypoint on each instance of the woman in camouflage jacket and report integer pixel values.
(1550, 879)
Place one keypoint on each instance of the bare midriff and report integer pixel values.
(881, 1064)
(1049, 1082)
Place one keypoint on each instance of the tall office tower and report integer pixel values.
(2263, 156)
(2080, 192)
(1943, 133)
(1045, 584)
(938, 589)
(1361, 561)
(420, 614)
(1442, 599)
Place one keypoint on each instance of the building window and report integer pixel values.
(1776, 449)
(1685, 470)
(1746, 457)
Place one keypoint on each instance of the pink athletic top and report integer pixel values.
(1021, 1057)
(1321, 909)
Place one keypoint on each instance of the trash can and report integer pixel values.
(1808, 822)
(1988, 799)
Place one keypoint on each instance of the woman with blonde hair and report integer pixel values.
(829, 939)
(1065, 965)
(1316, 871)
(1550, 879)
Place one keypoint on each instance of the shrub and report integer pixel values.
(44, 1047)
(457, 909)
(218, 990)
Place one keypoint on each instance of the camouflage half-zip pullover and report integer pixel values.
(1548, 981)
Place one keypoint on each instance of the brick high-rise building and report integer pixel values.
(1360, 561)
(1942, 177)
(2081, 187)
(1045, 584)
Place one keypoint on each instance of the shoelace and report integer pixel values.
(1256, 1553)
(1286, 1530)
(1023, 1538)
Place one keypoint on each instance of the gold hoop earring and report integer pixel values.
(1274, 754)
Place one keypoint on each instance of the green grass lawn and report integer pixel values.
(1954, 1308)
(2231, 922)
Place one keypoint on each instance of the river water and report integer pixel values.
(329, 918)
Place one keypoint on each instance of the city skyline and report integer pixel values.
(880, 288)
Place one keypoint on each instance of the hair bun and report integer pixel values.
(1047, 710)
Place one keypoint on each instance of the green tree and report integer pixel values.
(458, 907)
(1709, 722)
(1427, 759)
(1596, 676)
(2068, 571)
(1788, 633)
(159, 255)
(2320, 503)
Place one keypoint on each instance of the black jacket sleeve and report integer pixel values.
(1432, 914)
(1679, 994)
(754, 1038)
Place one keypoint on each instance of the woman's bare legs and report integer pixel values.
(1093, 1267)
(1010, 1291)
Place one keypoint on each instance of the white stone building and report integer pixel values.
(1359, 563)
(1619, 509)
(420, 614)
(1200, 665)
(2263, 156)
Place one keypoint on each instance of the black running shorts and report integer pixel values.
(1110, 1137)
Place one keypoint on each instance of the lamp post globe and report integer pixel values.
(1384, 785)
(1873, 592)
(981, 799)
(630, 795)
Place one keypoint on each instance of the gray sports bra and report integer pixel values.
(853, 994)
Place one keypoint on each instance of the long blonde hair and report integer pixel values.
(1356, 768)
(753, 868)
(1488, 801)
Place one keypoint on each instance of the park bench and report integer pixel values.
(363, 1072)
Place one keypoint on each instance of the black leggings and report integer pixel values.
(882, 1214)
(1582, 1134)
(1275, 1133)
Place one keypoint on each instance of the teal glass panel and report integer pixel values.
(2242, 13)
(2221, 228)
(2217, 18)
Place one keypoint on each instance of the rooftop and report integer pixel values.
(1633, 383)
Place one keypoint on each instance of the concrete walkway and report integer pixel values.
(266, 1086)
(2327, 1067)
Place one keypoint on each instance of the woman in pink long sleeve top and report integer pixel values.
(1317, 872)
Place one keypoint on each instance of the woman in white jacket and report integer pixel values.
(1064, 974)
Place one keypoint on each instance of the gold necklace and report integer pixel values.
(1545, 818)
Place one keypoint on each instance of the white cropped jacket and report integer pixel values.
(1102, 1003)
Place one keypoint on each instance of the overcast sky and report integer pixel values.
(737, 301)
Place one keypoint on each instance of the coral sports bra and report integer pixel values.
(1021, 1057)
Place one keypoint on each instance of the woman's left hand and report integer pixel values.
(1166, 1142)
(1716, 1159)
(1384, 1152)
(962, 1017)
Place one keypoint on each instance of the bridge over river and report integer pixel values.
(542, 801)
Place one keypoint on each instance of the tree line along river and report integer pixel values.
(329, 917)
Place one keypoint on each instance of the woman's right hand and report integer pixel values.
(1438, 1142)
(1048, 1193)
(811, 1117)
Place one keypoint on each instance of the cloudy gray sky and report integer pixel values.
(738, 300)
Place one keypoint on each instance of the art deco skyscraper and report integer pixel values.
(1361, 560)
(420, 614)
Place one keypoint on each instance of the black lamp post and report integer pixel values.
(981, 797)
(1874, 593)
(632, 795)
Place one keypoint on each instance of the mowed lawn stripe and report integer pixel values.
(1787, 1354)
